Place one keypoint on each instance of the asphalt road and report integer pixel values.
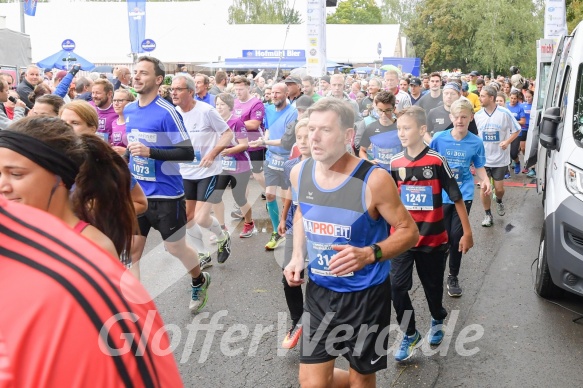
(498, 334)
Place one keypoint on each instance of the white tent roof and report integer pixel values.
(184, 32)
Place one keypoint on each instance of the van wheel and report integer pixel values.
(543, 283)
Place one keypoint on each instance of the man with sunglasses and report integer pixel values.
(380, 140)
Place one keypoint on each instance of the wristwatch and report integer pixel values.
(378, 253)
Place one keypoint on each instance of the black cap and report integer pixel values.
(415, 81)
(475, 73)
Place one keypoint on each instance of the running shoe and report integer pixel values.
(488, 220)
(292, 337)
(274, 242)
(237, 213)
(525, 170)
(517, 168)
(453, 286)
(224, 248)
(408, 346)
(500, 209)
(435, 335)
(200, 294)
(205, 260)
(507, 175)
(263, 197)
(248, 230)
(531, 173)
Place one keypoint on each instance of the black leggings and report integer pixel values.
(515, 148)
(239, 184)
(454, 229)
(293, 295)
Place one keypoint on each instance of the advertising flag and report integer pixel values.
(30, 7)
(137, 23)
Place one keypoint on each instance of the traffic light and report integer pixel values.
(331, 3)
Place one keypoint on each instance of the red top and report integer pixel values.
(63, 300)
(80, 226)
(428, 169)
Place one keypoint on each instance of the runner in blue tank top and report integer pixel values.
(345, 204)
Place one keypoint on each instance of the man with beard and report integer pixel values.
(277, 118)
(157, 140)
(102, 94)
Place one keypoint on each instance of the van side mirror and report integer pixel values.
(548, 128)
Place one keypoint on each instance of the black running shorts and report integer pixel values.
(357, 330)
(168, 216)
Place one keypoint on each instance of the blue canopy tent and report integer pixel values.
(64, 60)
(405, 65)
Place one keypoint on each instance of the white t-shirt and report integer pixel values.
(205, 126)
(402, 100)
(493, 129)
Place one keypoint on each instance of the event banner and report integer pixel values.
(316, 45)
(555, 19)
(137, 23)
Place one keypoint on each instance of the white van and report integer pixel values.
(555, 145)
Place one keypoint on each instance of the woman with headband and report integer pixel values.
(40, 161)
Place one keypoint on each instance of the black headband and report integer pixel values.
(42, 154)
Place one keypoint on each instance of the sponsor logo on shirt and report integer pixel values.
(327, 229)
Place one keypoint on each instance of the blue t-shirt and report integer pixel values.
(517, 112)
(459, 156)
(526, 107)
(156, 125)
(382, 142)
(276, 122)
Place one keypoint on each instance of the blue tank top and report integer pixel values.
(339, 217)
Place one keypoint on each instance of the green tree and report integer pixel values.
(574, 13)
(263, 12)
(356, 12)
(450, 34)
(398, 11)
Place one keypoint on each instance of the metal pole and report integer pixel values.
(22, 27)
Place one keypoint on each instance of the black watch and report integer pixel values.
(378, 253)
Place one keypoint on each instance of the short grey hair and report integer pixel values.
(188, 78)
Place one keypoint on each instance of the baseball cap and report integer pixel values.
(304, 102)
(294, 80)
(452, 85)
(475, 73)
(465, 86)
(415, 81)
(325, 78)
(61, 74)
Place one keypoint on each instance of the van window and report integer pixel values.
(578, 109)
(560, 65)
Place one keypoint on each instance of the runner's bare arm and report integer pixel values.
(294, 268)
(383, 200)
(252, 125)
(223, 142)
(467, 240)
